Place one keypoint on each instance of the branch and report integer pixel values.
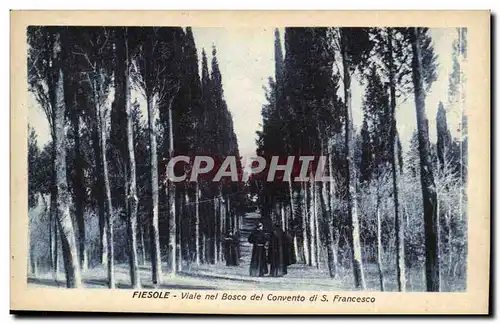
(43, 99)
(105, 41)
(401, 66)
(161, 71)
(402, 75)
(33, 64)
(381, 67)
(137, 78)
(85, 55)
(405, 97)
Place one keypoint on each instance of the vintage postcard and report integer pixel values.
(250, 162)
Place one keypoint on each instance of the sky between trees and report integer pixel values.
(246, 60)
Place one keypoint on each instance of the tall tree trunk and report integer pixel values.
(54, 246)
(334, 221)
(222, 217)
(100, 195)
(180, 238)
(155, 232)
(317, 193)
(109, 218)
(328, 229)
(53, 208)
(204, 249)
(352, 210)
(71, 264)
(142, 259)
(79, 185)
(282, 211)
(209, 245)
(52, 82)
(214, 238)
(426, 174)
(100, 192)
(450, 240)
(307, 246)
(296, 211)
(312, 222)
(398, 217)
(123, 88)
(171, 193)
(230, 223)
(57, 260)
(292, 212)
(32, 260)
(440, 243)
(305, 240)
(379, 242)
(51, 254)
(312, 226)
(197, 224)
(186, 228)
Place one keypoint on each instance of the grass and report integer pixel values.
(219, 276)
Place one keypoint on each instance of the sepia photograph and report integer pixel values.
(199, 162)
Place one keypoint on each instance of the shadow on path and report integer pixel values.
(217, 276)
(103, 283)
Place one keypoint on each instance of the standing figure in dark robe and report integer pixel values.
(276, 252)
(237, 239)
(231, 246)
(258, 265)
(289, 256)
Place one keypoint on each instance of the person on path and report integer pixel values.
(258, 265)
(289, 256)
(277, 252)
(231, 246)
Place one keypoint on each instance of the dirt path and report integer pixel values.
(213, 276)
(299, 276)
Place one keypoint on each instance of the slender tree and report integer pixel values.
(92, 52)
(46, 82)
(155, 75)
(72, 93)
(426, 173)
(391, 53)
(443, 136)
(376, 149)
(71, 264)
(123, 105)
(354, 47)
(148, 76)
(41, 84)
